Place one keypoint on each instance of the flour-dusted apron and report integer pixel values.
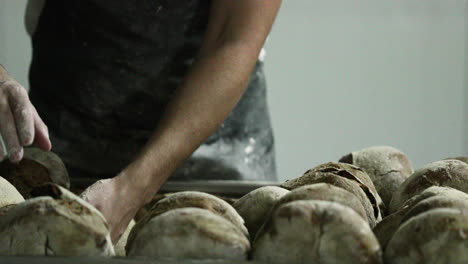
(103, 72)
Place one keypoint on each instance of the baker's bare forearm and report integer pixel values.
(235, 35)
(199, 106)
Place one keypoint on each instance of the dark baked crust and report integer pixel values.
(36, 168)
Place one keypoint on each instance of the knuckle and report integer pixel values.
(10, 91)
(11, 143)
(8, 86)
(21, 108)
(24, 113)
(14, 89)
(15, 106)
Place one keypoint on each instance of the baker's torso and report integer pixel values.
(103, 71)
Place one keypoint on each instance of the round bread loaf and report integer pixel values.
(434, 191)
(350, 185)
(192, 199)
(436, 202)
(8, 194)
(431, 198)
(36, 168)
(436, 236)
(189, 233)
(451, 173)
(387, 167)
(324, 192)
(355, 173)
(347, 171)
(51, 226)
(316, 232)
(255, 206)
(119, 247)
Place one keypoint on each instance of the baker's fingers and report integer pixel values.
(41, 139)
(22, 112)
(9, 133)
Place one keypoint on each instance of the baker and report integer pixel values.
(132, 93)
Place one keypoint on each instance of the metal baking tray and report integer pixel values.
(220, 187)
(227, 188)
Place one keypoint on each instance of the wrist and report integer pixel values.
(142, 180)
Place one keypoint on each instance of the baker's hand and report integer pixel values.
(20, 124)
(117, 200)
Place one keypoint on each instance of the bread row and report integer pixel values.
(370, 207)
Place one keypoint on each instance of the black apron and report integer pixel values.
(104, 70)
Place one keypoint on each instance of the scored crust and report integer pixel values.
(36, 168)
(255, 206)
(347, 184)
(388, 168)
(324, 192)
(450, 173)
(431, 198)
(316, 232)
(436, 236)
(347, 171)
(60, 225)
(189, 233)
(191, 199)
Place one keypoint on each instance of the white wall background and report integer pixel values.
(344, 75)
(15, 47)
